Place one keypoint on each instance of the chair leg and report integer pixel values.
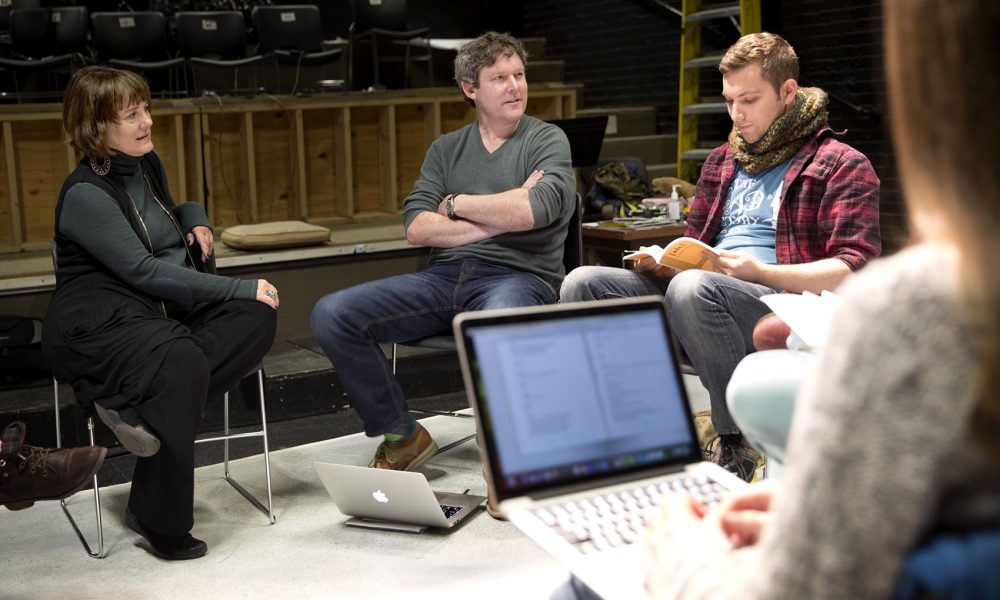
(394, 358)
(377, 81)
(226, 436)
(457, 442)
(406, 65)
(100, 552)
(430, 64)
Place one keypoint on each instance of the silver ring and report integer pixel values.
(271, 294)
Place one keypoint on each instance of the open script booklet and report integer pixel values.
(807, 314)
(681, 254)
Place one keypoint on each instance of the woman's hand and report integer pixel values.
(267, 293)
(205, 239)
(743, 516)
(736, 522)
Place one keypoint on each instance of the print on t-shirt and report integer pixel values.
(751, 211)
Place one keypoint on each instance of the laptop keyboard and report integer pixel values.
(617, 518)
(449, 510)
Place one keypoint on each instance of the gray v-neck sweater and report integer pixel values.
(458, 163)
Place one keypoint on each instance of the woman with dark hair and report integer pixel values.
(896, 436)
(137, 327)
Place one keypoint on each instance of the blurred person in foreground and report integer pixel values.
(896, 434)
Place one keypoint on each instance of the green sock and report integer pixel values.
(411, 426)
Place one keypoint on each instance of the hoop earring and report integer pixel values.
(101, 169)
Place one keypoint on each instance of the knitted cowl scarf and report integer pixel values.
(785, 136)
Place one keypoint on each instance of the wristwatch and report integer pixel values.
(449, 206)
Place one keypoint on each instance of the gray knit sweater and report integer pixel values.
(879, 454)
(458, 163)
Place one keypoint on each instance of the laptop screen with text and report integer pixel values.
(570, 395)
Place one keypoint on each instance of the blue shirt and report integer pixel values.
(751, 211)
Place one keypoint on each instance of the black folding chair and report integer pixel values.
(139, 41)
(46, 45)
(215, 46)
(293, 35)
(387, 20)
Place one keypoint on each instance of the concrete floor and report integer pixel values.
(308, 553)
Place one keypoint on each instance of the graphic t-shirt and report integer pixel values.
(751, 211)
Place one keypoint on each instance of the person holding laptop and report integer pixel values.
(493, 201)
(786, 204)
(896, 435)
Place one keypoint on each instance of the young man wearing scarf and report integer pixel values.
(787, 206)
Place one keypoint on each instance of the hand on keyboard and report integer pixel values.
(610, 520)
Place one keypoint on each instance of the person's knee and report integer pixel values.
(576, 286)
(264, 319)
(185, 364)
(687, 286)
(327, 315)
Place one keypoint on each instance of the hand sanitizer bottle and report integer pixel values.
(674, 206)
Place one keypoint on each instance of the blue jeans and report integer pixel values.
(711, 314)
(349, 325)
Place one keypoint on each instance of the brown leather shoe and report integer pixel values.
(405, 455)
(30, 473)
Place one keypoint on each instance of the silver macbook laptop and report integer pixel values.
(585, 425)
(396, 500)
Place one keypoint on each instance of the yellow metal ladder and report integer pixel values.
(690, 104)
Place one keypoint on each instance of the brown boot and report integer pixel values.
(30, 473)
(405, 455)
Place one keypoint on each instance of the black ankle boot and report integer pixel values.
(168, 547)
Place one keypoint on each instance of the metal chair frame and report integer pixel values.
(226, 436)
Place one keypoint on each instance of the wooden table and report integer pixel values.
(605, 241)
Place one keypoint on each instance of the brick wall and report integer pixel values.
(625, 52)
(840, 49)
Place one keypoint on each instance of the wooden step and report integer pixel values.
(625, 120)
(697, 154)
(661, 170)
(300, 382)
(546, 71)
(652, 149)
(718, 12)
(535, 47)
(706, 108)
(702, 62)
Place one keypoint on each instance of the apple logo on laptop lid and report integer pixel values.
(380, 497)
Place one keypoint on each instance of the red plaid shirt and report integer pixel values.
(829, 203)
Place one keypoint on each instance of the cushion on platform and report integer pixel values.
(276, 234)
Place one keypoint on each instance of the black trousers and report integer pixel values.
(223, 342)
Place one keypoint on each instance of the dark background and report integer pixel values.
(626, 53)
